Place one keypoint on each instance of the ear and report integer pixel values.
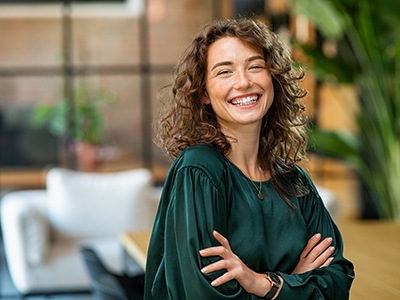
(205, 99)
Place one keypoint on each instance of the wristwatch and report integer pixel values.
(276, 284)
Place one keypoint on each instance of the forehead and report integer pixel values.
(230, 49)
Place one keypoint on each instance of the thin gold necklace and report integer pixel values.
(260, 195)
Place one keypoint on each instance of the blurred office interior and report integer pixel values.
(49, 49)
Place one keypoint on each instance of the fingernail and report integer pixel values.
(332, 248)
(318, 235)
(204, 270)
(329, 239)
(201, 252)
(214, 283)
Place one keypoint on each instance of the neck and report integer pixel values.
(245, 141)
(244, 155)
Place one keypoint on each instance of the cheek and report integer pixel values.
(218, 89)
(271, 84)
(210, 93)
(272, 92)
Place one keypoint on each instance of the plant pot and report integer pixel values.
(87, 156)
(369, 206)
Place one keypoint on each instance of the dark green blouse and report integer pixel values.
(205, 191)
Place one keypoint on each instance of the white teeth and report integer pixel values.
(245, 101)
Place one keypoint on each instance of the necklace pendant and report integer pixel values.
(260, 196)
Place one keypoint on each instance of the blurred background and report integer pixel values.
(80, 80)
(52, 50)
(91, 71)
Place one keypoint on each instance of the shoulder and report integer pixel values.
(302, 175)
(204, 158)
(295, 182)
(303, 179)
(311, 196)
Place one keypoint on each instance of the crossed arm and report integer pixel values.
(316, 254)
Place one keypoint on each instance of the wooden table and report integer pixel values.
(136, 244)
(23, 178)
(373, 247)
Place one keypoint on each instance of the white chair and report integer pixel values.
(330, 202)
(43, 230)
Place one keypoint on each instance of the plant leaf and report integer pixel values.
(326, 67)
(323, 14)
(334, 144)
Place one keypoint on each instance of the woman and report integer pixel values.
(238, 219)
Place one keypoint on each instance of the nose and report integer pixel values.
(242, 80)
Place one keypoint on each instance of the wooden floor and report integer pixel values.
(374, 249)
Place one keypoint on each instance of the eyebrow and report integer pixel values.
(228, 63)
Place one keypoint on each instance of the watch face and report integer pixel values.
(274, 278)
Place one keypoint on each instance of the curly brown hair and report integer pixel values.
(185, 120)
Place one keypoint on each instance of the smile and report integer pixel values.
(245, 101)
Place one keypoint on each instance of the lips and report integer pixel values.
(245, 100)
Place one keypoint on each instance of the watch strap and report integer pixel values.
(275, 285)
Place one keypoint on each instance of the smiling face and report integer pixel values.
(238, 84)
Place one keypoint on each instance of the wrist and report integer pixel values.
(260, 286)
(275, 284)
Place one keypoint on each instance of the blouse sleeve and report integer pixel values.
(200, 207)
(332, 282)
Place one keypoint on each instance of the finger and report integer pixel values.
(221, 239)
(328, 262)
(321, 259)
(222, 279)
(218, 265)
(312, 242)
(213, 251)
(320, 248)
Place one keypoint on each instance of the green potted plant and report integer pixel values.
(81, 121)
(367, 38)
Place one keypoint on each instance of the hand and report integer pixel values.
(252, 282)
(316, 254)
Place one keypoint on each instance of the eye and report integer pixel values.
(258, 66)
(224, 71)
